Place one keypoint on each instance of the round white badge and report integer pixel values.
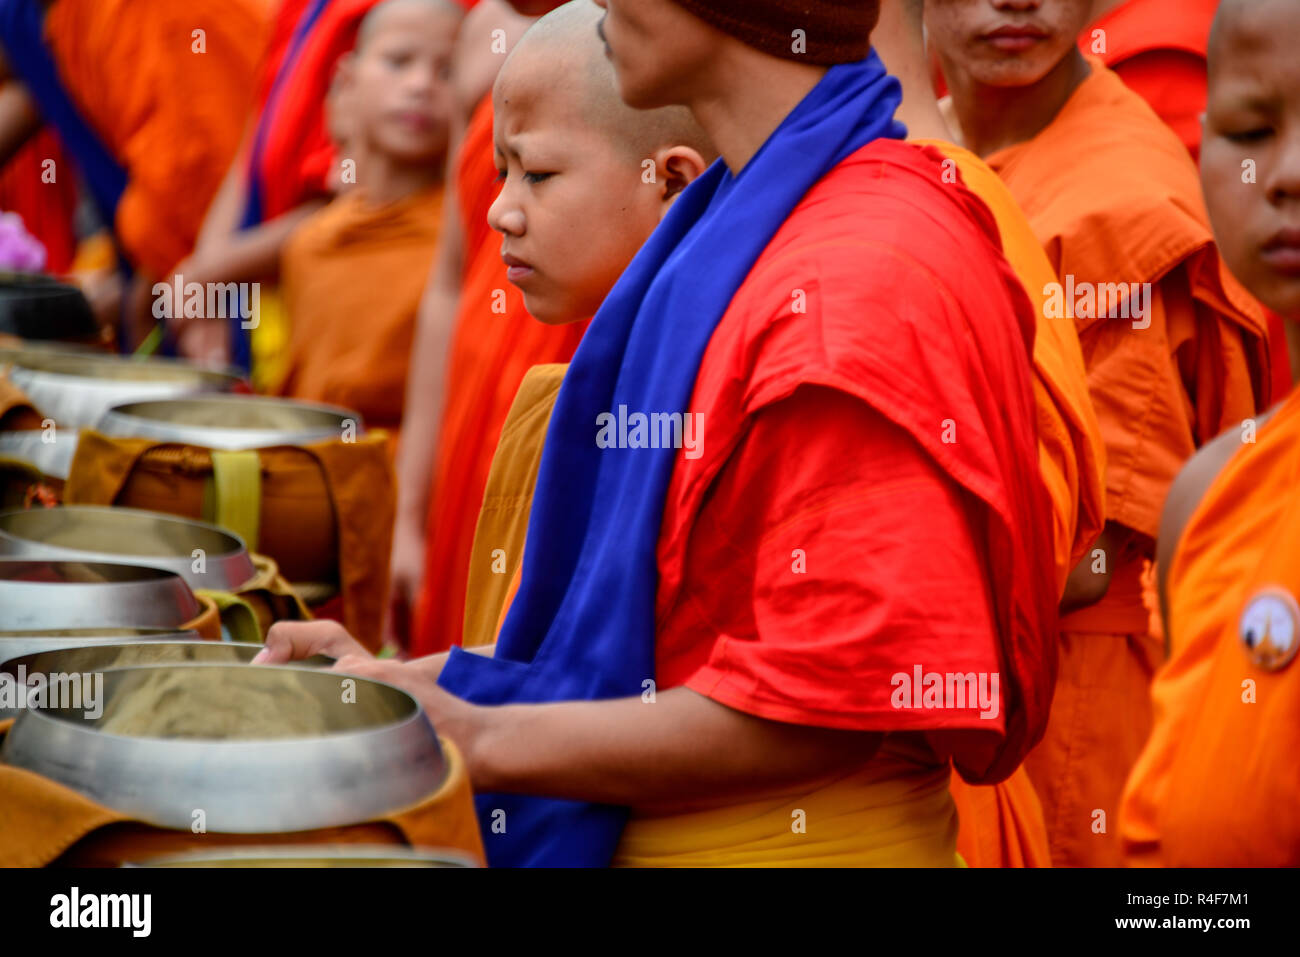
(1270, 628)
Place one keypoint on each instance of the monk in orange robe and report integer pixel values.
(165, 87)
(1158, 48)
(474, 342)
(1176, 353)
(354, 272)
(1002, 825)
(1216, 784)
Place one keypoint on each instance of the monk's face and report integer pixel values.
(1250, 155)
(1005, 42)
(400, 92)
(573, 209)
(658, 49)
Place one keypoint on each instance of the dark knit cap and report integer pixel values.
(834, 31)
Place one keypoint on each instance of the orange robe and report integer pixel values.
(1128, 210)
(1217, 782)
(1159, 50)
(1002, 825)
(352, 276)
(171, 116)
(495, 343)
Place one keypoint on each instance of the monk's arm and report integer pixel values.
(1090, 579)
(1184, 498)
(227, 207)
(682, 749)
(422, 410)
(248, 254)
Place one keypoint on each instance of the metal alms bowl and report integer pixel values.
(367, 748)
(157, 650)
(74, 650)
(230, 422)
(35, 448)
(43, 594)
(309, 855)
(204, 555)
(21, 644)
(76, 390)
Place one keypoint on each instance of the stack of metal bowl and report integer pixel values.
(76, 389)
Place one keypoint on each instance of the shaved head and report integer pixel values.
(371, 22)
(562, 55)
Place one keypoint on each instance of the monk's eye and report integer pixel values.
(1257, 135)
(501, 176)
(537, 177)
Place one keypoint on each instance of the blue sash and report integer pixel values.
(582, 626)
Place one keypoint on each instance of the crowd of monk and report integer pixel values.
(989, 384)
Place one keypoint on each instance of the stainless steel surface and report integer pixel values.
(230, 421)
(35, 448)
(76, 390)
(67, 653)
(23, 644)
(41, 595)
(96, 533)
(307, 855)
(128, 652)
(366, 758)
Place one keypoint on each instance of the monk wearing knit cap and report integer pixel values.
(733, 643)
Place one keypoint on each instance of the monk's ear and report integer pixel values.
(676, 168)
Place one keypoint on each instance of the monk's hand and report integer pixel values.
(294, 640)
(452, 717)
(406, 568)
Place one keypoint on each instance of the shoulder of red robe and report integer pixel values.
(888, 282)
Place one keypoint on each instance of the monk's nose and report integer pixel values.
(506, 217)
(1284, 178)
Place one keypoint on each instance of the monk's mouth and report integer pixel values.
(1015, 39)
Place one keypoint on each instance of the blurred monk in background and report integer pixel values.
(1002, 825)
(354, 272)
(1158, 48)
(149, 97)
(1176, 351)
(1216, 784)
(287, 168)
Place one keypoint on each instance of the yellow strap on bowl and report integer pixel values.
(237, 616)
(237, 490)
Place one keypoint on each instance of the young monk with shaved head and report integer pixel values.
(710, 656)
(1216, 784)
(368, 252)
(1176, 353)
